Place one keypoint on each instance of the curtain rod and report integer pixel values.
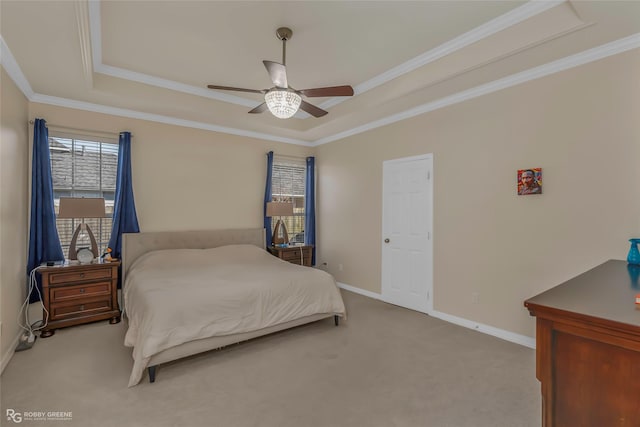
(86, 131)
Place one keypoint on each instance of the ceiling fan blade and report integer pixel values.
(259, 109)
(237, 89)
(312, 109)
(328, 91)
(278, 73)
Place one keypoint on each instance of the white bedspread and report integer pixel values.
(180, 295)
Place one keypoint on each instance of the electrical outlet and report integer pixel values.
(340, 267)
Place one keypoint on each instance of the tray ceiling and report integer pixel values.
(154, 59)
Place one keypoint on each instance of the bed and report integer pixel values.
(190, 292)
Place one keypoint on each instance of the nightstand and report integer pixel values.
(300, 254)
(74, 294)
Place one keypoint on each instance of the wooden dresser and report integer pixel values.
(77, 294)
(588, 349)
(300, 254)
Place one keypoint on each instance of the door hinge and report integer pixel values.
(428, 175)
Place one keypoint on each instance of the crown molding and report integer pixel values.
(513, 17)
(95, 31)
(96, 46)
(84, 34)
(123, 112)
(9, 63)
(590, 55)
(12, 68)
(172, 85)
(509, 19)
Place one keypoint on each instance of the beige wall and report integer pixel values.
(183, 178)
(14, 158)
(578, 125)
(581, 126)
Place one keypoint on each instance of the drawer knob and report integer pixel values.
(81, 274)
(82, 290)
(82, 307)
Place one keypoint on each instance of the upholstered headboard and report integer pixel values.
(135, 245)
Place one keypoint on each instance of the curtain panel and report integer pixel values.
(310, 208)
(125, 219)
(44, 243)
(267, 199)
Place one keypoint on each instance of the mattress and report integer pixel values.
(176, 296)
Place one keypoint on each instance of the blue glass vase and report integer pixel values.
(634, 255)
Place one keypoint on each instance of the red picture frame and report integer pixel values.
(529, 181)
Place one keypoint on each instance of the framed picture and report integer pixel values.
(529, 181)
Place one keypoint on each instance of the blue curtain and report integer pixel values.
(125, 219)
(310, 208)
(267, 198)
(44, 243)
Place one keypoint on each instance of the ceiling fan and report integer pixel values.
(282, 100)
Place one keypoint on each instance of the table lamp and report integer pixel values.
(81, 207)
(279, 209)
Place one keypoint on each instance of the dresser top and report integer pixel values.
(605, 292)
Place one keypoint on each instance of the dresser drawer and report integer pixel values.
(64, 311)
(79, 291)
(79, 276)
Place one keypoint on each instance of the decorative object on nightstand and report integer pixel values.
(298, 254)
(279, 209)
(85, 256)
(77, 294)
(81, 207)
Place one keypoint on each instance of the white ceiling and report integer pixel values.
(153, 59)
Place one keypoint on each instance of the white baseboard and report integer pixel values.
(6, 357)
(480, 327)
(359, 291)
(486, 329)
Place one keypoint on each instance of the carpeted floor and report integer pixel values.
(385, 366)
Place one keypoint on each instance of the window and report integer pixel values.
(287, 185)
(84, 167)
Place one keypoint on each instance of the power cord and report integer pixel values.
(28, 337)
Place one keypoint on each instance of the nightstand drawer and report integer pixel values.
(78, 276)
(292, 255)
(80, 291)
(300, 255)
(62, 311)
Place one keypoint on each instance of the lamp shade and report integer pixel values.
(282, 103)
(279, 209)
(81, 207)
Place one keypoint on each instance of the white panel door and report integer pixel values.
(407, 221)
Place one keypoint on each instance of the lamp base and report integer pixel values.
(280, 229)
(73, 253)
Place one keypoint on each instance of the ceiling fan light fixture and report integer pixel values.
(282, 103)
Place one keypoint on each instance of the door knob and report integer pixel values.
(386, 240)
